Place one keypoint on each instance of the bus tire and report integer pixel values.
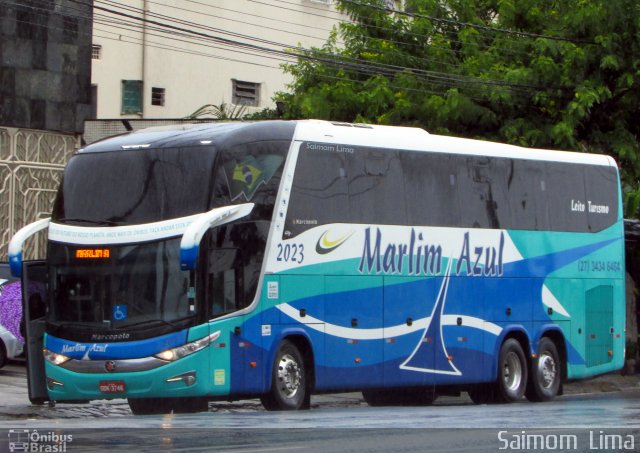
(483, 394)
(149, 406)
(289, 389)
(190, 405)
(512, 372)
(3, 354)
(546, 372)
(400, 397)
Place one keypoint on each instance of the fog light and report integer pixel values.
(188, 378)
(51, 383)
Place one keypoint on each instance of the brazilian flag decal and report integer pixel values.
(250, 173)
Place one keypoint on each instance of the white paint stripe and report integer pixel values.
(470, 321)
(385, 332)
(552, 302)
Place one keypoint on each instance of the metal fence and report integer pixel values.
(95, 130)
(31, 165)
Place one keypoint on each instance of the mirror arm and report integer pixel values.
(190, 242)
(17, 242)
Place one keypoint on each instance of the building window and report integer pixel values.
(94, 102)
(131, 97)
(157, 96)
(96, 52)
(70, 29)
(246, 93)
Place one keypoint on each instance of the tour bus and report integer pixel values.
(280, 259)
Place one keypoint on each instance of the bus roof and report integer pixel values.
(392, 137)
(214, 134)
(417, 139)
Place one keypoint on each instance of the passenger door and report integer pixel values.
(34, 297)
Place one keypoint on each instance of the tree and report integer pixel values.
(537, 73)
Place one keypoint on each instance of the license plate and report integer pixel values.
(112, 387)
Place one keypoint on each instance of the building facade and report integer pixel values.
(157, 59)
(45, 97)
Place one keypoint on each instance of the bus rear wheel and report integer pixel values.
(546, 372)
(512, 377)
(512, 372)
(289, 390)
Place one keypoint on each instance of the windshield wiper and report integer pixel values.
(151, 321)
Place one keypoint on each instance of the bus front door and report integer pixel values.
(34, 290)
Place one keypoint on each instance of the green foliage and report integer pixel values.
(220, 112)
(264, 114)
(539, 73)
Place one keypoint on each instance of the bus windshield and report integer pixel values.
(139, 286)
(134, 187)
(116, 287)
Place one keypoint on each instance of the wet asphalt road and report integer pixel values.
(338, 423)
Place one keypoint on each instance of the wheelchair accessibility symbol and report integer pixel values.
(119, 312)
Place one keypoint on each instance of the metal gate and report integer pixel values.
(31, 165)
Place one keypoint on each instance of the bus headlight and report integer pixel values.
(182, 351)
(54, 357)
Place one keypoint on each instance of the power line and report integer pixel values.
(330, 59)
(466, 24)
(300, 52)
(421, 38)
(337, 62)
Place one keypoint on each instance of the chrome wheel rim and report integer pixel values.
(512, 372)
(289, 376)
(547, 370)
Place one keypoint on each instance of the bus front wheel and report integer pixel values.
(288, 380)
(149, 406)
(154, 406)
(546, 372)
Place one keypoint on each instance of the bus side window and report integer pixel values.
(526, 192)
(223, 292)
(566, 200)
(483, 181)
(601, 192)
(431, 189)
(223, 283)
(376, 188)
(319, 192)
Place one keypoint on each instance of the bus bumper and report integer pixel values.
(189, 376)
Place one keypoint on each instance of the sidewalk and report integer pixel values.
(612, 382)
